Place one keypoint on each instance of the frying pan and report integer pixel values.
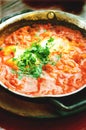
(65, 104)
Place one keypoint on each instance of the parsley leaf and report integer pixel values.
(51, 39)
(59, 56)
(32, 60)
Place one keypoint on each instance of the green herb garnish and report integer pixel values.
(59, 56)
(51, 39)
(34, 58)
(13, 71)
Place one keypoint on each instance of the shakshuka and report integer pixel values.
(43, 59)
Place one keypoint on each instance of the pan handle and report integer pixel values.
(64, 110)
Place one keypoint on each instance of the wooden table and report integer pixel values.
(10, 7)
(10, 121)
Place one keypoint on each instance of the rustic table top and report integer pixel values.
(10, 7)
(10, 121)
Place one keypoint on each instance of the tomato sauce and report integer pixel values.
(43, 59)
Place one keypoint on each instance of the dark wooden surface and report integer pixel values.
(10, 121)
(9, 7)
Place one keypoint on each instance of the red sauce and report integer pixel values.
(65, 71)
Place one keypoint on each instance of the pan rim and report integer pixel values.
(13, 19)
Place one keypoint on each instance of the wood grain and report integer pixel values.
(10, 7)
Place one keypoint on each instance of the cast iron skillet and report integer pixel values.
(65, 104)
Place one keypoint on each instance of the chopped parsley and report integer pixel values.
(33, 59)
(59, 56)
(51, 39)
(13, 71)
